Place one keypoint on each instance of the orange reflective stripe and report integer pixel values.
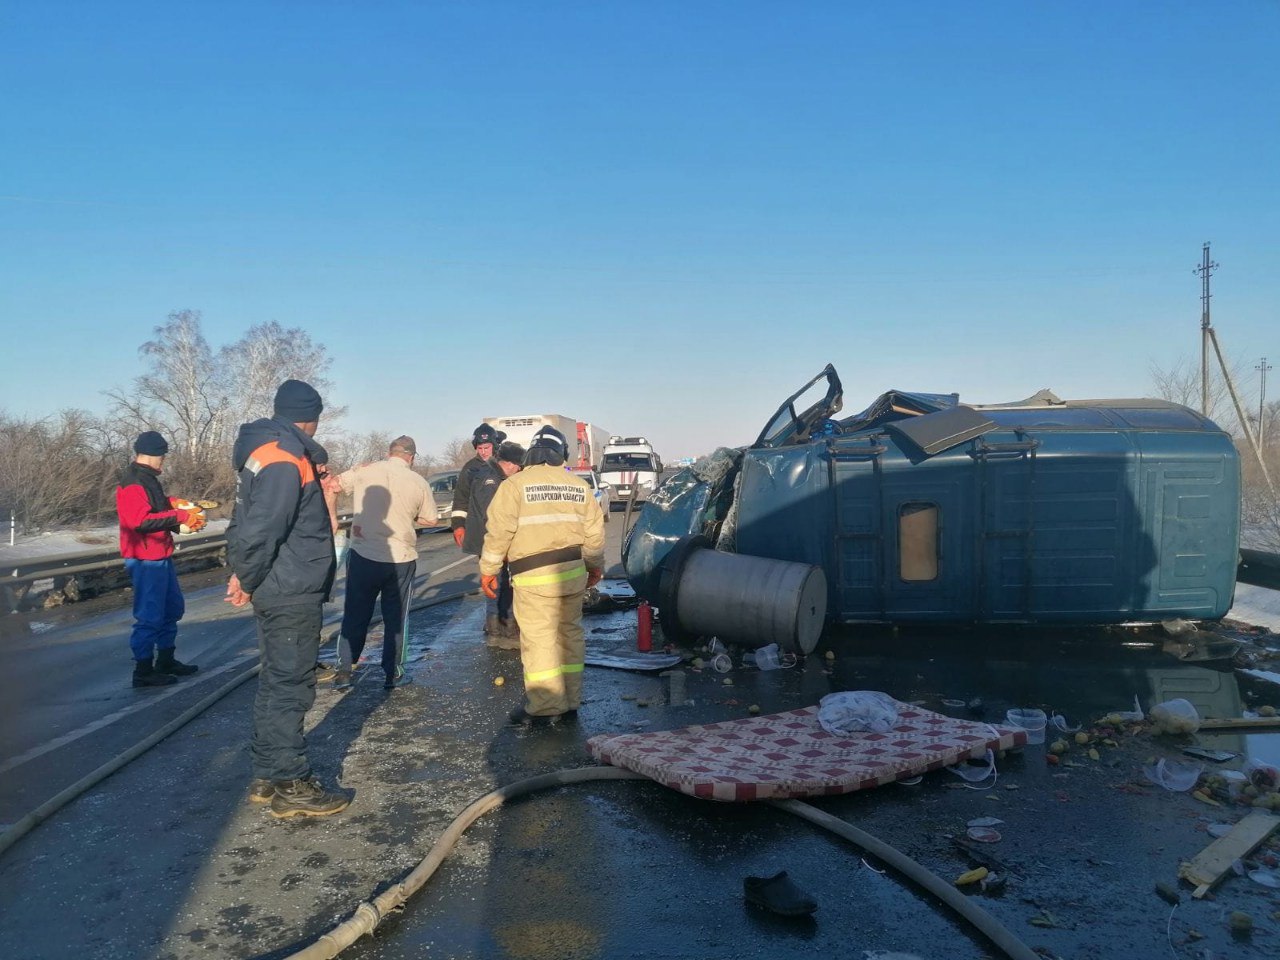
(270, 453)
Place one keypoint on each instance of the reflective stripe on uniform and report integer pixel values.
(458, 513)
(553, 672)
(536, 519)
(492, 557)
(540, 579)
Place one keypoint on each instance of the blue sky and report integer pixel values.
(662, 217)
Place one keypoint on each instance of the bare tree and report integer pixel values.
(50, 471)
(265, 357)
(455, 453)
(1181, 384)
(182, 394)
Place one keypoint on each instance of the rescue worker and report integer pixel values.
(544, 522)
(148, 521)
(485, 440)
(499, 624)
(280, 549)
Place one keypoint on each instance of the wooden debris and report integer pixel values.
(1242, 723)
(1214, 861)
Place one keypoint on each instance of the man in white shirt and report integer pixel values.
(391, 501)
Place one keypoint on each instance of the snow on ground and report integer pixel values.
(1256, 605)
(56, 543)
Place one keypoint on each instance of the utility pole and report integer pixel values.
(1204, 270)
(1262, 369)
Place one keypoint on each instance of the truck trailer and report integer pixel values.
(586, 441)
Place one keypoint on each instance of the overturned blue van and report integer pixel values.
(922, 508)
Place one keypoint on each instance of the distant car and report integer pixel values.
(603, 492)
(442, 487)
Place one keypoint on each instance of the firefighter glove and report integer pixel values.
(458, 534)
(593, 577)
(489, 585)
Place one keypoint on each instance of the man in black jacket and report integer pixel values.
(485, 439)
(499, 624)
(280, 549)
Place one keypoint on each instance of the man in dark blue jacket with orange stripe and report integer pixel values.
(147, 524)
(280, 549)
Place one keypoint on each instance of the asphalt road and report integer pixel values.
(165, 860)
(66, 699)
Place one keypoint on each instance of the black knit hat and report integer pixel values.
(298, 402)
(151, 444)
(511, 452)
(485, 434)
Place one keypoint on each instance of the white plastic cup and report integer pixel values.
(767, 657)
(720, 663)
(1029, 719)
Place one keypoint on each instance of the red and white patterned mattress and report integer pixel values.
(790, 755)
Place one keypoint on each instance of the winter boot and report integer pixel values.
(145, 675)
(492, 625)
(306, 798)
(504, 636)
(261, 791)
(165, 663)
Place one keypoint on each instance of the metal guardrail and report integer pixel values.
(1259, 569)
(17, 578)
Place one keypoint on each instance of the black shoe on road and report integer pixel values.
(306, 798)
(403, 678)
(779, 894)
(145, 675)
(165, 663)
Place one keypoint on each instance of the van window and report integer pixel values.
(918, 541)
(627, 461)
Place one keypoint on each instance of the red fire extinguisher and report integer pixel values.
(644, 635)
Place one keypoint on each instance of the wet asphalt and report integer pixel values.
(166, 860)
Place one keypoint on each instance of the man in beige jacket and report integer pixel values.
(546, 524)
(390, 503)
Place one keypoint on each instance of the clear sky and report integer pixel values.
(661, 216)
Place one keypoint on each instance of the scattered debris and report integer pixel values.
(971, 876)
(1240, 922)
(1216, 860)
(1242, 723)
(1167, 892)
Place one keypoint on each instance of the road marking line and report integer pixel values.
(152, 700)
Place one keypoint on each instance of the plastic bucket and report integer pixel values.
(1029, 719)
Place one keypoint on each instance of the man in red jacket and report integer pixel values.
(147, 522)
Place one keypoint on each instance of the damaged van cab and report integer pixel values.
(923, 508)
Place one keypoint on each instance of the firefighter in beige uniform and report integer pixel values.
(546, 524)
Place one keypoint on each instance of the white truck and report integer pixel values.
(631, 467)
(586, 441)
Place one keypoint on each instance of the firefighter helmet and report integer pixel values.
(548, 446)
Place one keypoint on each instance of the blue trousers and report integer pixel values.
(367, 581)
(157, 606)
(288, 639)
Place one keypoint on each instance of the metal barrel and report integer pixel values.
(751, 600)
